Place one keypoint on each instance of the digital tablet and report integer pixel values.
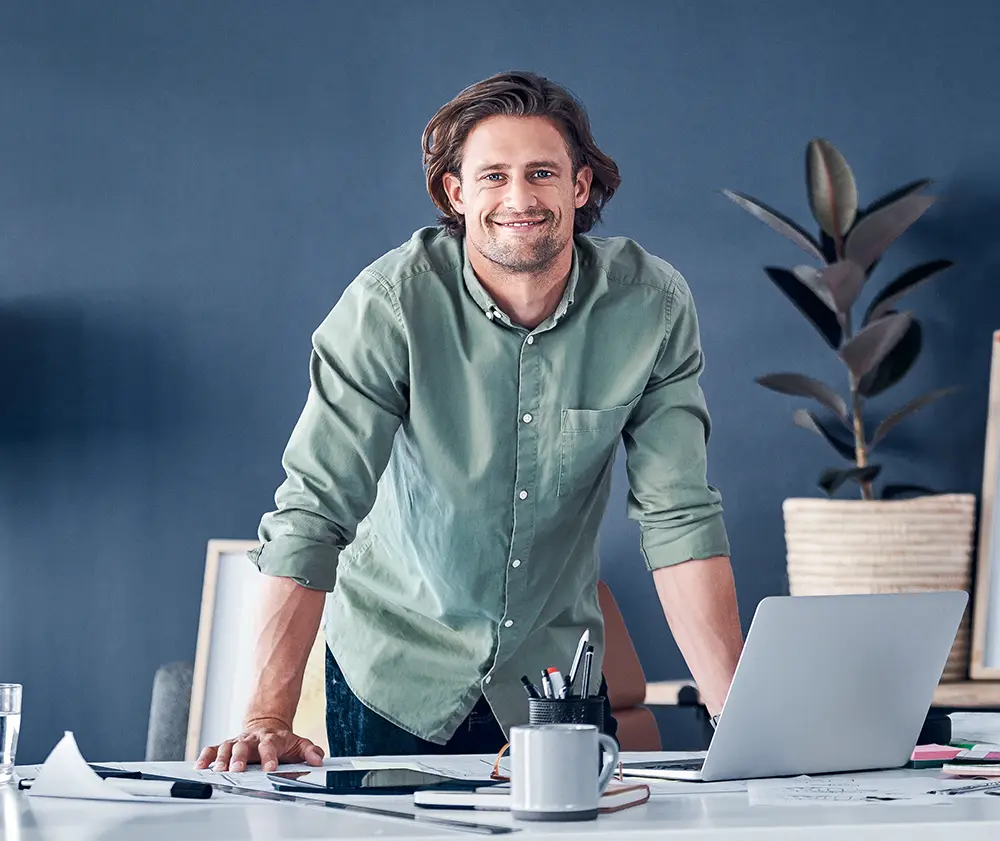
(375, 781)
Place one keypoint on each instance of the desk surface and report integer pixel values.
(969, 694)
(687, 816)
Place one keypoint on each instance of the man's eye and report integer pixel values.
(491, 176)
(544, 173)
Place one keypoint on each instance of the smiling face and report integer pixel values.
(518, 192)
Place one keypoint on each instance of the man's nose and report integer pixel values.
(520, 196)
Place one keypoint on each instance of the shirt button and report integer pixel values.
(488, 678)
(523, 494)
(489, 314)
(530, 340)
(527, 418)
(508, 623)
(515, 563)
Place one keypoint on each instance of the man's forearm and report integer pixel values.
(289, 622)
(699, 602)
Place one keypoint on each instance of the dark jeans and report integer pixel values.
(354, 730)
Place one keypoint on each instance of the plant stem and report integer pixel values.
(860, 446)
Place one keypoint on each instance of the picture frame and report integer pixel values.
(224, 671)
(984, 660)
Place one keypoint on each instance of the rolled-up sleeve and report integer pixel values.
(679, 513)
(341, 443)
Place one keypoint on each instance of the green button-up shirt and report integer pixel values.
(447, 477)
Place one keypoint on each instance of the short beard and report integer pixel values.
(540, 257)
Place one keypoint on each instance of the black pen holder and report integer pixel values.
(567, 711)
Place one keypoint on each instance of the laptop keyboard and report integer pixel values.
(673, 765)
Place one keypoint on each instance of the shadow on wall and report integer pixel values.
(960, 311)
(75, 374)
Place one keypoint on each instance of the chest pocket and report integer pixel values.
(588, 439)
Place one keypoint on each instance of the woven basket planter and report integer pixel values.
(884, 546)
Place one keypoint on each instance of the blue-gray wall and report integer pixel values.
(186, 188)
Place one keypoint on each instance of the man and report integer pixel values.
(449, 472)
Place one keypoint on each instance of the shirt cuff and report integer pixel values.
(307, 562)
(664, 547)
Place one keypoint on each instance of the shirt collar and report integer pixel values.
(486, 303)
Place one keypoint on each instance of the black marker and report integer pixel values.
(190, 790)
(529, 687)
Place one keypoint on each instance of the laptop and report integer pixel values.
(827, 684)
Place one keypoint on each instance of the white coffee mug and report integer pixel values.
(554, 771)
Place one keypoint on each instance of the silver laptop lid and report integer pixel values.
(833, 683)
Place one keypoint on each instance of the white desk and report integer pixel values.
(704, 817)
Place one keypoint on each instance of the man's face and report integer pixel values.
(518, 192)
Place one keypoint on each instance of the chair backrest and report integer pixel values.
(622, 669)
(169, 706)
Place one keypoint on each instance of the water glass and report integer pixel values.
(10, 724)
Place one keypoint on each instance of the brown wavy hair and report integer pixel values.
(515, 94)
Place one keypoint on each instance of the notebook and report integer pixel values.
(616, 797)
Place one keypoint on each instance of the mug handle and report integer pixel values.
(610, 749)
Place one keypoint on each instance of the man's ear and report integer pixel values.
(453, 190)
(584, 178)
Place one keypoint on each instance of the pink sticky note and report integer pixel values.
(925, 752)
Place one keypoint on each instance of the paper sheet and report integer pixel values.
(885, 788)
(669, 787)
(253, 777)
(65, 773)
(981, 728)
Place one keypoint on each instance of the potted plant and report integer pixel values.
(902, 537)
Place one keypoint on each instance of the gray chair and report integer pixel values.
(166, 735)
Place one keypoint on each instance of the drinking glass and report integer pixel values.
(10, 724)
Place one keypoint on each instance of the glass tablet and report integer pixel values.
(375, 781)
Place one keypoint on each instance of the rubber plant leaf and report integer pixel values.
(807, 420)
(819, 314)
(897, 491)
(831, 478)
(800, 385)
(844, 279)
(901, 414)
(862, 352)
(898, 193)
(890, 296)
(780, 223)
(874, 232)
(833, 195)
(896, 364)
(813, 278)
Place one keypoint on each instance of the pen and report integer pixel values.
(546, 685)
(588, 659)
(161, 788)
(529, 687)
(558, 684)
(106, 773)
(581, 646)
(964, 789)
(187, 789)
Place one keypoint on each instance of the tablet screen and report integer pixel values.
(395, 780)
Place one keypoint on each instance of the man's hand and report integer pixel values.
(290, 615)
(268, 741)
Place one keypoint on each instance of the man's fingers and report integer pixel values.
(242, 754)
(268, 751)
(222, 758)
(206, 757)
(270, 748)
